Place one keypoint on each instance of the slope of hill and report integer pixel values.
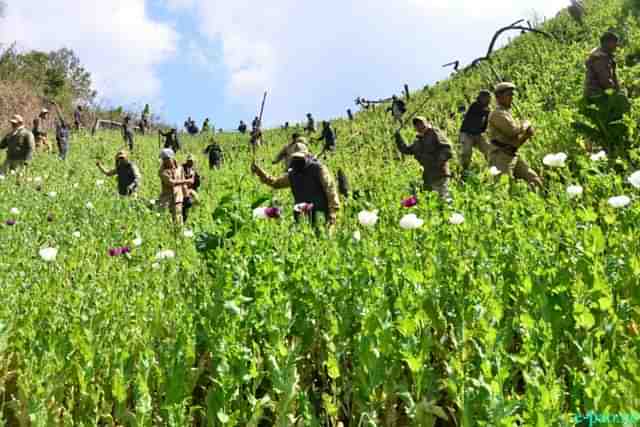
(524, 314)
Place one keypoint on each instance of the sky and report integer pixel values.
(215, 58)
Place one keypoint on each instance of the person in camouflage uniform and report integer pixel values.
(601, 67)
(171, 139)
(206, 127)
(127, 131)
(242, 127)
(311, 183)
(191, 189)
(473, 128)
(507, 136)
(144, 122)
(40, 128)
(20, 145)
(127, 173)
(77, 117)
(432, 150)
(298, 144)
(397, 108)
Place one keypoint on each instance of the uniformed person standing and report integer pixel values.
(311, 124)
(40, 128)
(507, 136)
(432, 150)
(19, 144)
(215, 154)
(329, 137)
(127, 131)
(173, 185)
(310, 182)
(397, 108)
(601, 67)
(473, 128)
(62, 133)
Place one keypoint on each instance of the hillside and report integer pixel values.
(524, 314)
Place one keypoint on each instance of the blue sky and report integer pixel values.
(214, 58)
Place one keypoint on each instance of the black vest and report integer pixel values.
(307, 187)
(126, 177)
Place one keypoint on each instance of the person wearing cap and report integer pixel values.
(329, 137)
(173, 185)
(473, 128)
(215, 154)
(601, 67)
(298, 144)
(19, 143)
(127, 173)
(310, 182)
(127, 131)
(62, 133)
(507, 136)
(40, 125)
(311, 124)
(192, 186)
(432, 150)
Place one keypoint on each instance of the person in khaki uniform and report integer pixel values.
(473, 128)
(40, 127)
(173, 185)
(310, 182)
(601, 67)
(298, 144)
(432, 150)
(507, 136)
(19, 144)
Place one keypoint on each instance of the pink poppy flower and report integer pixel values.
(272, 212)
(410, 202)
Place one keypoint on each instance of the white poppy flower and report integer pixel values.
(188, 234)
(155, 266)
(76, 185)
(12, 172)
(456, 219)
(2, 177)
(48, 254)
(634, 179)
(100, 182)
(89, 205)
(411, 222)
(357, 236)
(52, 194)
(37, 180)
(574, 191)
(166, 254)
(15, 211)
(368, 218)
(152, 202)
(76, 234)
(494, 171)
(555, 160)
(260, 213)
(600, 155)
(619, 201)
(137, 241)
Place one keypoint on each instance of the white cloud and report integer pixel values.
(318, 56)
(116, 40)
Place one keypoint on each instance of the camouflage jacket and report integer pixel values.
(432, 151)
(288, 151)
(505, 131)
(19, 144)
(601, 73)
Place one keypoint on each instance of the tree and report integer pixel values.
(65, 65)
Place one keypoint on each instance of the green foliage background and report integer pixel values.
(523, 314)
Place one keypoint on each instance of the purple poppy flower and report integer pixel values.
(303, 208)
(410, 202)
(125, 250)
(115, 252)
(272, 212)
(11, 222)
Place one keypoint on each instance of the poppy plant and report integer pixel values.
(410, 202)
(555, 160)
(411, 222)
(368, 218)
(304, 208)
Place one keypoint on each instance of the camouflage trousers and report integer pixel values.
(467, 143)
(440, 186)
(513, 165)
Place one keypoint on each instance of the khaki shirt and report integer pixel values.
(504, 128)
(432, 151)
(600, 73)
(19, 144)
(326, 180)
(170, 193)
